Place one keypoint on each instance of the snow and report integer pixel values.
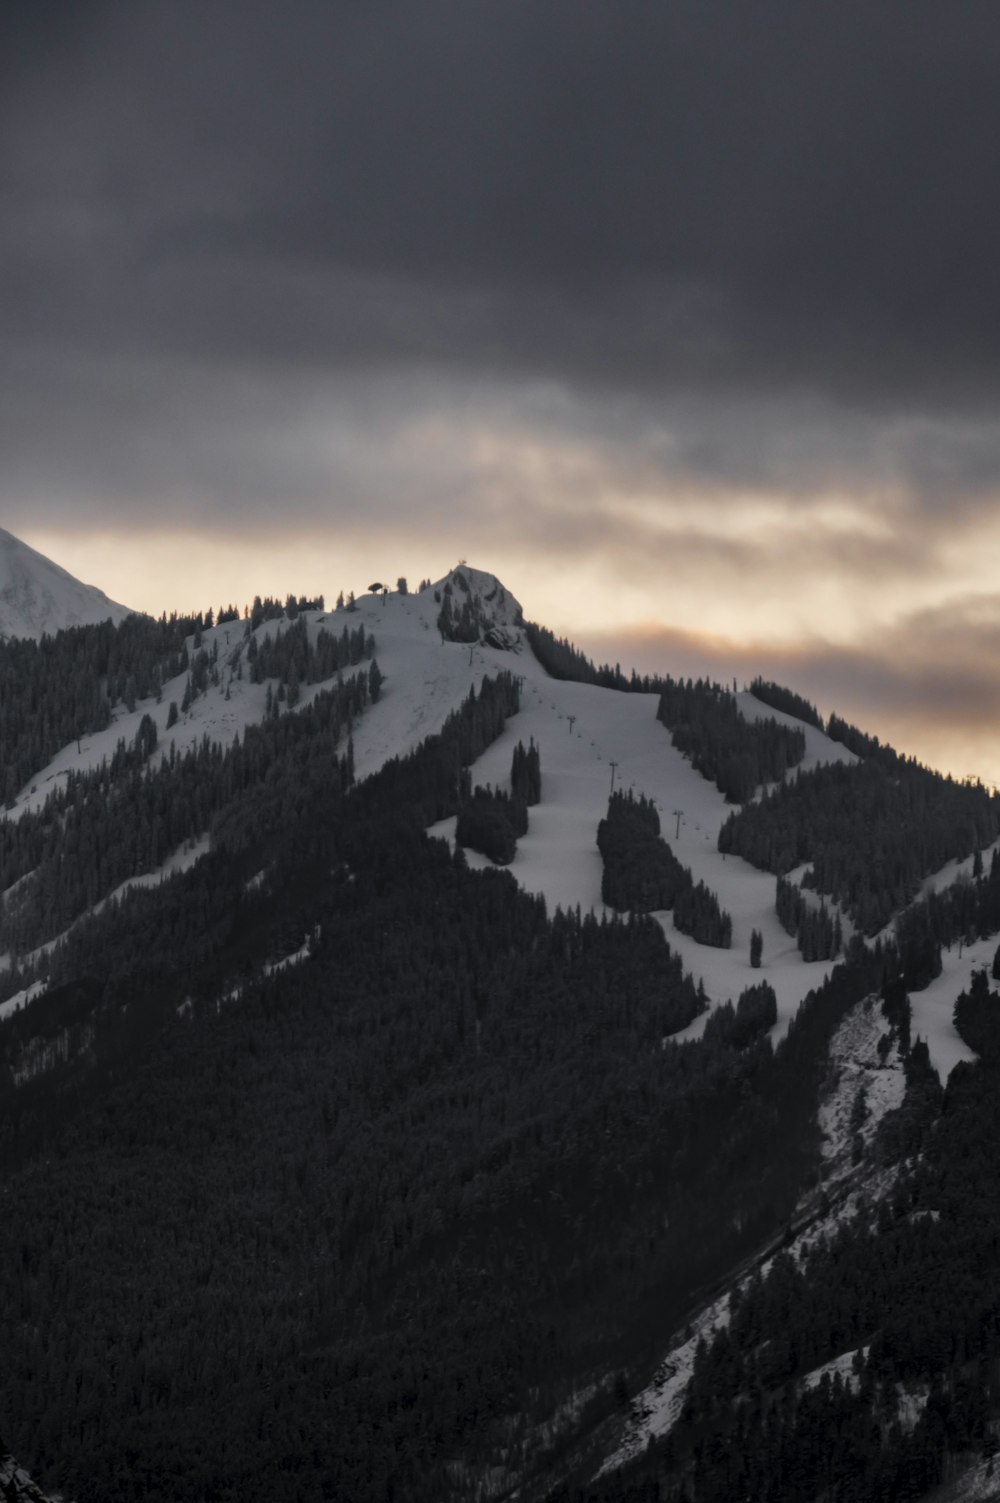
(180, 860)
(426, 679)
(858, 1071)
(819, 747)
(581, 730)
(978, 1482)
(657, 1408)
(40, 1054)
(932, 1008)
(21, 999)
(302, 953)
(955, 871)
(855, 1061)
(15, 1483)
(211, 714)
(910, 1405)
(587, 737)
(844, 1365)
(37, 596)
(590, 740)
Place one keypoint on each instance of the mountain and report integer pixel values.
(37, 596)
(435, 1066)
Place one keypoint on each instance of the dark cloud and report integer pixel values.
(727, 249)
(649, 193)
(600, 281)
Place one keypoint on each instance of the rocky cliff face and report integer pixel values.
(15, 1484)
(475, 607)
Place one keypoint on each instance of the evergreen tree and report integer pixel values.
(526, 773)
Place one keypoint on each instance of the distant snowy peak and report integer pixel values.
(37, 597)
(475, 606)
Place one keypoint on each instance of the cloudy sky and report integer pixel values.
(684, 318)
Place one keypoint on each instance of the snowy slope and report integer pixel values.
(425, 681)
(819, 747)
(222, 713)
(36, 596)
(581, 730)
(427, 678)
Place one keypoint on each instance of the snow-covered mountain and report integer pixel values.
(215, 890)
(39, 597)
(590, 738)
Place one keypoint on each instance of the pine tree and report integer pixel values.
(526, 773)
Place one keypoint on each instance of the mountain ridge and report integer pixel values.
(39, 597)
(427, 1154)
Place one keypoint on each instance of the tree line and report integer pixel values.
(61, 688)
(492, 820)
(780, 698)
(870, 835)
(641, 873)
(126, 816)
(902, 1288)
(737, 755)
(388, 1204)
(703, 718)
(817, 932)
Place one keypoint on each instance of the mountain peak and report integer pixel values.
(39, 597)
(476, 604)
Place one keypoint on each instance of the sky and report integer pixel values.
(682, 318)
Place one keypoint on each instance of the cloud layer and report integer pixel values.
(684, 312)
